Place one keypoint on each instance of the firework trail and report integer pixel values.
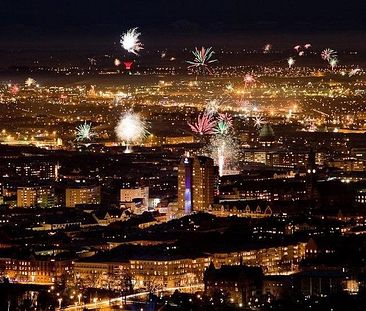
(130, 41)
(202, 59)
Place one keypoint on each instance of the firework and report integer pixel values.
(301, 53)
(202, 59)
(92, 61)
(84, 132)
(290, 62)
(130, 41)
(229, 87)
(131, 128)
(128, 64)
(328, 54)
(225, 151)
(117, 62)
(223, 125)
(258, 122)
(205, 124)
(213, 106)
(221, 128)
(307, 46)
(226, 118)
(163, 54)
(333, 63)
(297, 48)
(30, 81)
(14, 89)
(353, 72)
(249, 78)
(267, 48)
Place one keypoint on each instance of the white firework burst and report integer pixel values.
(213, 106)
(333, 62)
(84, 132)
(353, 72)
(131, 128)
(290, 62)
(258, 121)
(30, 81)
(130, 41)
(225, 151)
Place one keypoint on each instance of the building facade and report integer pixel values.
(196, 183)
(82, 195)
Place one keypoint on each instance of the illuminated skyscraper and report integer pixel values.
(195, 183)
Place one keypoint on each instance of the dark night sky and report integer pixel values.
(36, 26)
(182, 15)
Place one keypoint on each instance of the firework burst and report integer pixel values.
(258, 122)
(328, 54)
(84, 132)
(213, 106)
(226, 118)
(14, 89)
(249, 78)
(130, 41)
(353, 72)
(267, 48)
(229, 87)
(131, 128)
(30, 81)
(221, 128)
(290, 62)
(117, 62)
(202, 59)
(225, 151)
(205, 124)
(333, 62)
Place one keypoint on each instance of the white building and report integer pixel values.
(128, 197)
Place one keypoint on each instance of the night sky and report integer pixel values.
(180, 15)
(36, 28)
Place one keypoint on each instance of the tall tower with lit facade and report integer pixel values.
(196, 183)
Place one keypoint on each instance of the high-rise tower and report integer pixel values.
(195, 183)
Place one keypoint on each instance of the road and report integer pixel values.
(129, 298)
